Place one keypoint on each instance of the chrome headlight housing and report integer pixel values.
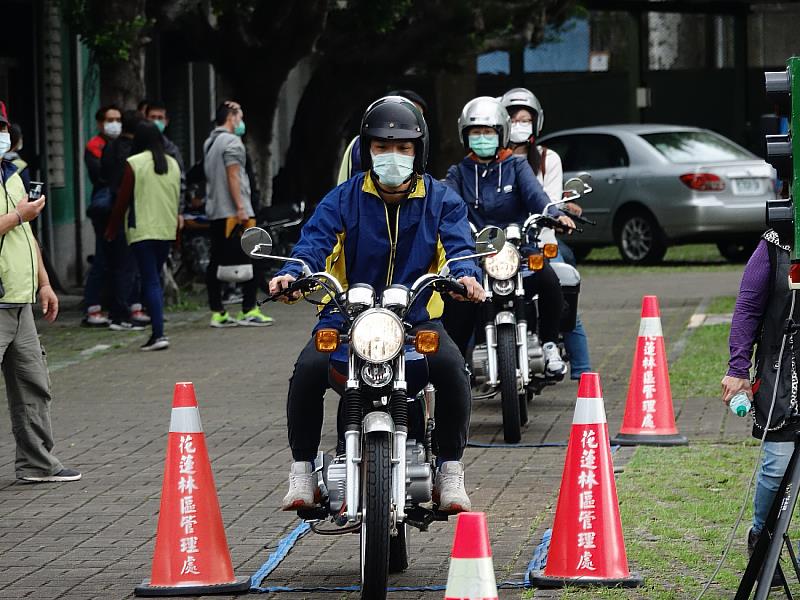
(377, 335)
(504, 264)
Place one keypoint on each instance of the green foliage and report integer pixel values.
(110, 41)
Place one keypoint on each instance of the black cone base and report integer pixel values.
(240, 586)
(625, 439)
(539, 580)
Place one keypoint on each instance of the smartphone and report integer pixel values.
(35, 191)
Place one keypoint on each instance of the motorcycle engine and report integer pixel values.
(419, 478)
(535, 355)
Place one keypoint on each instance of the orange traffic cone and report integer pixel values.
(587, 547)
(649, 418)
(191, 555)
(471, 574)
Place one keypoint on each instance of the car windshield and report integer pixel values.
(695, 146)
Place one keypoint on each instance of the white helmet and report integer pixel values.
(522, 98)
(484, 111)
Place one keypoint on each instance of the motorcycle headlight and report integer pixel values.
(503, 288)
(504, 264)
(377, 335)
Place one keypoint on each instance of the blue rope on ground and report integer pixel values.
(539, 445)
(275, 559)
(539, 559)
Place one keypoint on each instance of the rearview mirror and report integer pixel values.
(490, 239)
(574, 187)
(256, 241)
(585, 176)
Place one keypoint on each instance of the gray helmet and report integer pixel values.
(522, 98)
(484, 111)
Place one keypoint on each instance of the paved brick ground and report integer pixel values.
(94, 538)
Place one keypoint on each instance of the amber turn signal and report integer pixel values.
(536, 262)
(326, 340)
(427, 342)
(550, 250)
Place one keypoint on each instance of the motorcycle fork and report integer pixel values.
(522, 332)
(399, 453)
(490, 330)
(352, 447)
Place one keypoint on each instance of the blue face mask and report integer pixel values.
(484, 145)
(240, 129)
(392, 168)
(161, 125)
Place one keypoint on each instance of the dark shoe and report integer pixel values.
(155, 343)
(752, 540)
(62, 475)
(125, 326)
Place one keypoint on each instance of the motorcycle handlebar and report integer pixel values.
(579, 218)
(450, 285)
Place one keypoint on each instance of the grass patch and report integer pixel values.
(721, 305)
(702, 365)
(702, 257)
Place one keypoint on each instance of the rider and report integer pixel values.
(527, 119)
(498, 190)
(387, 225)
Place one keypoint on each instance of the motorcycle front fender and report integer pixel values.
(377, 421)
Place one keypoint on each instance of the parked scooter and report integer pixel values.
(510, 359)
(383, 482)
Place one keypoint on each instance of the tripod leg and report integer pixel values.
(793, 557)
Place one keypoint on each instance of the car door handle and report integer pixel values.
(612, 179)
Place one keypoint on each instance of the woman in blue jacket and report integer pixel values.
(499, 189)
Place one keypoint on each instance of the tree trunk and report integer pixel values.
(122, 77)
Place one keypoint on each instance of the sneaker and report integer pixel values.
(222, 319)
(125, 326)
(62, 475)
(554, 364)
(752, 540)
(448, 489)
(138, 316)
(155, 343)
(303, 490)
(95, 318)
(254, 318)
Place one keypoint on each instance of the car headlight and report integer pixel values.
(377, 335)
(504, 264)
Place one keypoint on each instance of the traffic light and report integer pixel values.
(783, 151)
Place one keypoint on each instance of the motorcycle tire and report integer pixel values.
(376, 500)
(399, 550)
(507, 370)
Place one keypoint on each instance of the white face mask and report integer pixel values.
(112, 129)
(5, 142)
(521, 132)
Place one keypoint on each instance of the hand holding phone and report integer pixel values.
(35, 191)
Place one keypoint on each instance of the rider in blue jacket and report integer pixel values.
(389, 225)
(499, 189)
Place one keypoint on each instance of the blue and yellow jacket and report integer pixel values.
(350, 237)
(498, 193)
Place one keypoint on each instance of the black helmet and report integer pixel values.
(394, 118)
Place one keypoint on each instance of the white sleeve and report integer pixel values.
(553, 176)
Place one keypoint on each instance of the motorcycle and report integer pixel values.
(383, 483)
(510, 359)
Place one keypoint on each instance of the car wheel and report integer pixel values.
(736, 252)
(640, 239)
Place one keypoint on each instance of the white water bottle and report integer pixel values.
(740, 404)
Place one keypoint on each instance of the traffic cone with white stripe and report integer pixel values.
(587, 547)
(471, 574)
(191, 556)
(649, 417)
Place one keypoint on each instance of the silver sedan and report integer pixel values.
(662, 185)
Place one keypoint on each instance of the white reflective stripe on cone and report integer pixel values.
(471, 578)
(589, 411)
(185, 419)
(650, 326)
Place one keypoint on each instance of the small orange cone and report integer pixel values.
(649, 418)
(191, 556)
(471, 574)
(587, 547)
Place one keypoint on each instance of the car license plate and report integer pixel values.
(747, 186)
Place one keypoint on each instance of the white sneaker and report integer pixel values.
(303, 489)
(448, 489)
(554, 364)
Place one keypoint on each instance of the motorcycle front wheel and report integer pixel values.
(507, 370)
(376, 500)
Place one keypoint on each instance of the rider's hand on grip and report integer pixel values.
(467, 288)
(279, 289)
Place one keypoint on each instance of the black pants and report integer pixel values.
(309, 381)
(461, 318)
(224, 252)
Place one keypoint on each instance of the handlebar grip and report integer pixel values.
(456, 287)
(294, 286)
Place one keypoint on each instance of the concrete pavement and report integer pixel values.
(94, 538)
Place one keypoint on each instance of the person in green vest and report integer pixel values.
(147, 201)
(23, 277)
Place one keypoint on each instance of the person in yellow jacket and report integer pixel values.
(147, 201)
(23, 277)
